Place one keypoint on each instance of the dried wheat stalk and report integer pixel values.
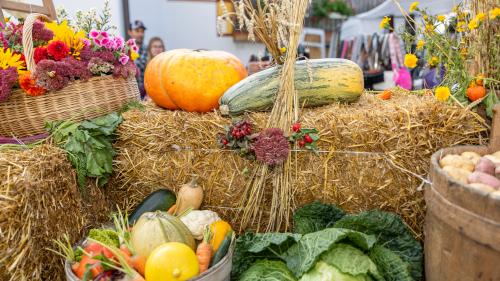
(277, 24)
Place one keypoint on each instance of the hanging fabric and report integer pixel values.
(401, 77)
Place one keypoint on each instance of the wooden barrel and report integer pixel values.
(462, 224)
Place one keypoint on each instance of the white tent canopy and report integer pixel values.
(368, 22)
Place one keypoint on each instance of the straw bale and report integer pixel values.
(40, 201)
(374, 154)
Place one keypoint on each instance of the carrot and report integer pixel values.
(385, 95)
(171, 210)
(204, 250)
(139, 264)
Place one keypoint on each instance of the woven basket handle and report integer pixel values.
(29, 52)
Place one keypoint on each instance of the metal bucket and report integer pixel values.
(219, 272)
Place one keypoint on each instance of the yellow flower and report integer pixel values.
(455, 9)
(63, 32)
(463, 52)
(442, 93)
(420, 44)
(481, 17)
(413, 6)
(441, 18)
(385, 23)
(434, 61)
(473, 24)
(495, 13)
(9, 59)
(429, 27)
(134, 55)
(410, 60)
(461, 26)
(283, 50)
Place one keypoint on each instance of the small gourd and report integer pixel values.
(190, 195)
(155, 229)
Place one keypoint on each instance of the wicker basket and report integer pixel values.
(24, 116)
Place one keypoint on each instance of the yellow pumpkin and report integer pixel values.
(172, 261)
(192, 80)
(219, 230)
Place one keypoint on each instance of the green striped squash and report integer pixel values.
(333, 80)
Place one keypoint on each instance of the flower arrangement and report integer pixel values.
(62, 53)
(270, 146)
(465, 45)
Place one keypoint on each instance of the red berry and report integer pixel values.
(296, 127)
(302, 143)
(225, 141)
(308, 139)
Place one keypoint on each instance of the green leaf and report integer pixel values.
(251, 247)
(490, 101)
(267, 270)
(302, 256)
(314, 137)
(350, 260)
(392, 267)
(315, 216)
(392, 233)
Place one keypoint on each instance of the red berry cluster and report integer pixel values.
(306, 139)
(241, 130)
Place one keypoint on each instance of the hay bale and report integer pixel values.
(40, 201)
(370, 154)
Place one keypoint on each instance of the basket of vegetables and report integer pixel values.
(164, 241)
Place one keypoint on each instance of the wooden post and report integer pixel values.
(495, 130)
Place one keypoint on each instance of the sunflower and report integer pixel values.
(9, 59)
(63, 32)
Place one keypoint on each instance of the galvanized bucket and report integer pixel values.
(219, 272)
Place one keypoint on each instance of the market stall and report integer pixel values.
(294, 171)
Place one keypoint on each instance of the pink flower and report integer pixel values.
(101, 38)
(119, 43)
(109, 44)
(123, 59)
(131, 42)
(94, 34)
(86, 42)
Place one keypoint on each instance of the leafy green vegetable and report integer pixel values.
(88, 145)
(108, 237)
(251, 247)
(268, 270)
(392, 233)
(323, 271)
(392, 267)
(350, 260)
(315, 216)
(303, 255)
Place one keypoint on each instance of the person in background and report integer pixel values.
(136, 31)
(155, 47)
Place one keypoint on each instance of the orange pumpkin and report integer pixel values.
(191, 80)
(475, 93)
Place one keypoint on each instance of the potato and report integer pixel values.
(485, 165)
(482, 187)
(495, 195)
(493, 159)
(479, 177)
(458, 174)
(457, 161)
(473, 156)
(496, 154)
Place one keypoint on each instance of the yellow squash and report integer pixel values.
(172, 261)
